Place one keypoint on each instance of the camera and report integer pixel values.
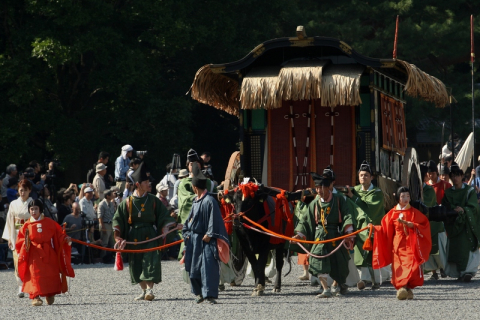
(87, 223)
(137, 154)
(29, 174)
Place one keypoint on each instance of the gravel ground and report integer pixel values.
(99, 292)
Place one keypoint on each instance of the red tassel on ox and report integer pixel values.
(226, 209)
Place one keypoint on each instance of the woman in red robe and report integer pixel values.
(44, 259)
(403, 240)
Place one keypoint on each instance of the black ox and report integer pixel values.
(253, 242)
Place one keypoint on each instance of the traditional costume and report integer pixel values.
(16, 217)
(44, 257)
(439, 186)
(464, 234)
(403, 247)
(202, 258)
(185, 190)
(140, 218)
(327, 219)
(372, 202)
(437, 229)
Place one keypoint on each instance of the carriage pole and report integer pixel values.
(472, 60)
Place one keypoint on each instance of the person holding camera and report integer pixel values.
(29, 174)
(105, 212)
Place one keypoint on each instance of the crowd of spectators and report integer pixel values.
(87, 209)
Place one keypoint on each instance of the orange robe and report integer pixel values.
(405, 248)
(440, 188)
(43, 257)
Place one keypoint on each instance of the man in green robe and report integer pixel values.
(140, 217)
(371, 200)
(464, 234)
(328, 218)
(437, 229)
(185, 189)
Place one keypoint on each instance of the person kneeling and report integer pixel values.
(405, 231)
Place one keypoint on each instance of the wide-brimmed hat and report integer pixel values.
(100, 167)
(183, 173)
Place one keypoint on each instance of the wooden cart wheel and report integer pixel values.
(233, 170)
(411, 176)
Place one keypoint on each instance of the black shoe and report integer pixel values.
(434, 276)
(343, 289)
(467, 277)
(442, 273)
(211, 301)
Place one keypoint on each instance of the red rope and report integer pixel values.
(127, 250)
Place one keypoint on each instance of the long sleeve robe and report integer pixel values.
(405, 248)
(202, 260)
(339, 217)
(372, 202)
(430, 200)
(464, 234)
(143, 266)
(43, 257)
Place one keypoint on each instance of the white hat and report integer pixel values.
(127, 148)
(183, 173)
(87, 189)
(100, 167)
(161, 187)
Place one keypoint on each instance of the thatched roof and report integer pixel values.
(425, 86)
(252, 83)
(267, 87)
(216, 90)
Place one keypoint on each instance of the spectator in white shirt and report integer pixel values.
(86, 204)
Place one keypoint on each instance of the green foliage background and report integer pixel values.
(81, 76)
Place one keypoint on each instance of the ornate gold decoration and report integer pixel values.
(388, 64)
(295, 42)
(345, 48)
(218, 69)
(258, 50)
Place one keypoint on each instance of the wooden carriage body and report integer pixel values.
(304, 103)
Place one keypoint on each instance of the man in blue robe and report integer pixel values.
(202, 230)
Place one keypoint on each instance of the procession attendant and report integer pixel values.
(403, 240)
(437, 230)
(437, 184)
(44, 256)
(205, 240)
(185, 189)
(360, 220)
(371, 200)
(16, 217)
(444, 173)
(142, 216)
(464, 234)
(328, 218)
